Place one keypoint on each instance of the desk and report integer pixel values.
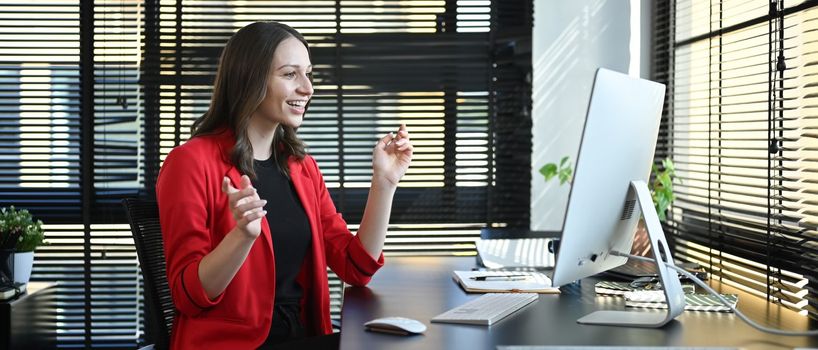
(422, 287)
(29, 321)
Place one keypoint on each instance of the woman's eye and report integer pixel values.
(290, 75)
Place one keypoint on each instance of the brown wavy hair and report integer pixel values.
(239, 89)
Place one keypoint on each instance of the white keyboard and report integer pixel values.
(487, 309)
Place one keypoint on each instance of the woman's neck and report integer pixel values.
(260, 134)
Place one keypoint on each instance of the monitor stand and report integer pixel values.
(669, 278)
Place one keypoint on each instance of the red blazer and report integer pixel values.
(194, 218)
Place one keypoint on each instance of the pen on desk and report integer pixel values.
(500, 277)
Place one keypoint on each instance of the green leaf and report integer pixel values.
(563, 171)
(662, 216)
(661, 186)
(666, 181)
(549, 171)
(565, 175)
(664, 202)
(668, 164)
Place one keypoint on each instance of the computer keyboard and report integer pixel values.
(487, 309)
(606, 347)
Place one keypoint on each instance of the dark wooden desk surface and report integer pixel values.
(421, 288)
(29, 321)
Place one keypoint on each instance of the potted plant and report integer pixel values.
(661, 192)
(661, 188)
(20, 234)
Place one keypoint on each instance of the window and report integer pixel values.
(741, 77)
(93, 95)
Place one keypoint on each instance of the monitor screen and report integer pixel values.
(617, 147)
(609, 194)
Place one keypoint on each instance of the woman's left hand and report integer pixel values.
(392, 156)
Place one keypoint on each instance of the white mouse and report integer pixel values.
(396, 325)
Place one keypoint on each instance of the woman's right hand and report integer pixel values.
(245, 205)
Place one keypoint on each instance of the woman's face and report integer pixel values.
(288, 86)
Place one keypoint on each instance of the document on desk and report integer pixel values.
(504, 281)
(655, 299)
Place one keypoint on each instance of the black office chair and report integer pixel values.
(143, 216)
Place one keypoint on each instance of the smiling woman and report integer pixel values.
(249, 227)
(288, 91)
(251, 85)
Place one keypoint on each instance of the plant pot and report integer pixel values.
(23, 262)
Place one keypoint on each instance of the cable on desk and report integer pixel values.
(721, 298)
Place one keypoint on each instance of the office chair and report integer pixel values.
(143, 216)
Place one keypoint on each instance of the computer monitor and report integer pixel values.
(609, 193)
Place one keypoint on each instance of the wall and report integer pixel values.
(571, 39)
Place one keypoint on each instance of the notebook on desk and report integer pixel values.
(504, 282)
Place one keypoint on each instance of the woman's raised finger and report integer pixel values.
(235, 197)
(251, 215)
(250, 205)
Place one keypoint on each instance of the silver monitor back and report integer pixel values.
(617, 147)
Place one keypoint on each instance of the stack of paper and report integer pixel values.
(655, 299)
(504, 281)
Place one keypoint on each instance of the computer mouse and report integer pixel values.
(396, 325)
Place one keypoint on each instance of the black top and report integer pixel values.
(290, 230)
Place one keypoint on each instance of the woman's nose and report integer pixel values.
(306, 87)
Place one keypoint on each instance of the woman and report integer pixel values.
(248, 224)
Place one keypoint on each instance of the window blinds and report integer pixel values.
(93, 95)
(739, 123)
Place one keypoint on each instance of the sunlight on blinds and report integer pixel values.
(43, 128)
(368, 111)
(747, 275)
(44, 159)
(430, 64)
(746, 213)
